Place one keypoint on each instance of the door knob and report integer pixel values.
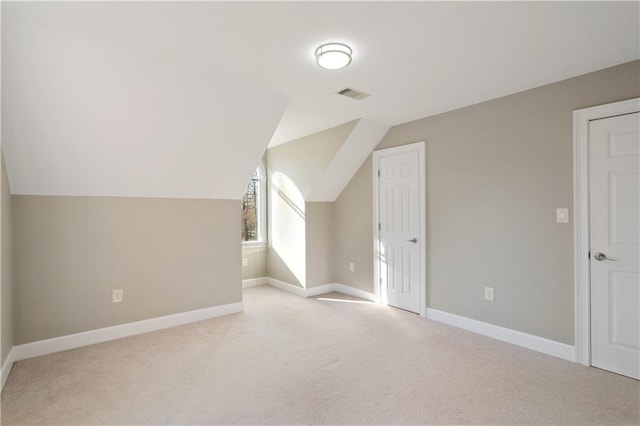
(413, 240)
(601, 256)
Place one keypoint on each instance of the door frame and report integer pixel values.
(581, 237)
(418, 147)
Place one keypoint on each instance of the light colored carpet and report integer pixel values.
(324, 360)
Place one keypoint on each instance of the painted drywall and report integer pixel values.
(84, 118)
(169, 256)
(496, 172)
(293, 170)
(304, 161)
(286, 229)
(6, 291)
(319, 236)
(364, 136)
(353, 231)
(256, 266)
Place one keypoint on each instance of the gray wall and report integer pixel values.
(319, 238)
(169, 256)
(7, 277)
(257, 262)
(496, 172)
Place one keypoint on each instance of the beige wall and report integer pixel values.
(496, 172)
(305, 160)
(294, 170)
(169, 256)
(353, 231)
(319, 236)
(256, 262)
(286, 229)
(6, 291)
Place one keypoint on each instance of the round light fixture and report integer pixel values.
(333, 56)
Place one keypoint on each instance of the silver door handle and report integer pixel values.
(601, 256)
(413, 240)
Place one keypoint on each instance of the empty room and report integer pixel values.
(320, 213)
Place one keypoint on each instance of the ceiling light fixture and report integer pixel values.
(333, 56)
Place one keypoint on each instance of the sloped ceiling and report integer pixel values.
(355, 149)
(80, 118)
(304, 162)
(180, 99)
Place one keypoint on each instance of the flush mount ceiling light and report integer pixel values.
(333, 56)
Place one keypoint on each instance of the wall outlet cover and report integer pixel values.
(562, 215)
(117, 295)
(488, 293)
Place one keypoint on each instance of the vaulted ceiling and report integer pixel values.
(181, 99)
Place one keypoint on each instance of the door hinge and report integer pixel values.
(379, 227)
(589, 255)
(378, 173)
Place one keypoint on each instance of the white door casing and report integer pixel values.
(581, 218)
(614, 186)
(399, 227)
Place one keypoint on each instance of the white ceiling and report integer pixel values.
(221, 72)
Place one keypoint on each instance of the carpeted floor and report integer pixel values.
(330, 359)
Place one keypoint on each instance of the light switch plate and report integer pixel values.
(245, 261)
(562, 215)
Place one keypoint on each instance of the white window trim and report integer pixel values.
(253, 244)
(262, 211)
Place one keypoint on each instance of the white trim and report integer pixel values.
(581, 246)
(299, 291)
(253, 244)
(352, 291)
(290, 288)
(420, 147)
(529, 341)
(254, 282)
(261, 206)
(63, 343)
(6, 368)
(320, 289)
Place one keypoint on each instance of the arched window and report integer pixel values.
(253, 215)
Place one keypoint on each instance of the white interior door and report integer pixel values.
(614, 181)
(400, 253)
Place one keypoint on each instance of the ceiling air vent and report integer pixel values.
(353, 94)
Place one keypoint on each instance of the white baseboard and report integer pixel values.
(529, 341)
(254, 282)
(320, 289)
(355, 292)
(290, 288)
(63, 343)
(6, 368)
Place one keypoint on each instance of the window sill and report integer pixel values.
(254, 244)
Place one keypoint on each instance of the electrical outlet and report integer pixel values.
(245, 261)
(352, 267)
(562, 215)
(488, 293)
(117, 296)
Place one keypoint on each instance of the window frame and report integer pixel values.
(261, 207)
